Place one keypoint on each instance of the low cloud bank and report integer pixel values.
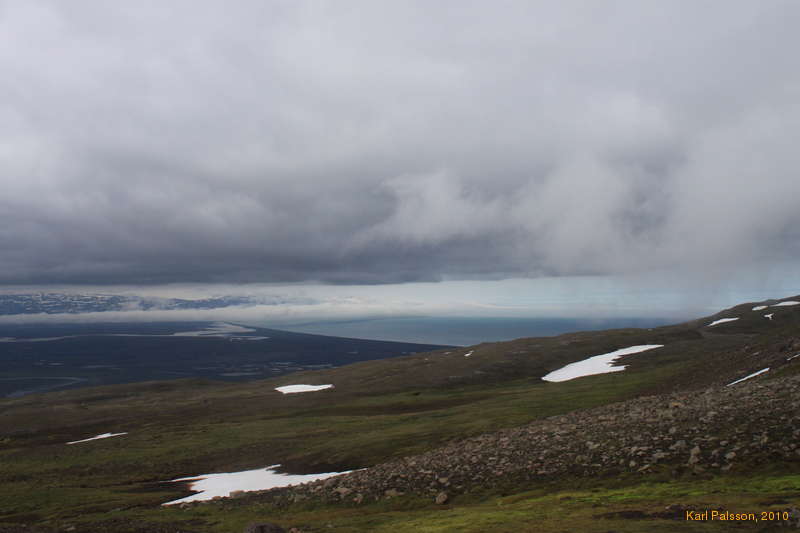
(390, 142)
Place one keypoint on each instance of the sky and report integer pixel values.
(409, 144)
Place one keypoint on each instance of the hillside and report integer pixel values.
(659, 433)
(719, 430)
(733, 349)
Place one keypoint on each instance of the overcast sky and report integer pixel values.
(378, 142)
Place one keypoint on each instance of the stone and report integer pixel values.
(441, 498)
(678, 445)
(694, 455)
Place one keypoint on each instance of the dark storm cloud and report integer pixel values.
(369, 142)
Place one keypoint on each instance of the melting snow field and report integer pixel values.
(759, 308)
(722, 321)
(96, 437)
(468, 353)
(292, 389)
(599, 364)
(213, 485)
(784, 304)
(754, 374)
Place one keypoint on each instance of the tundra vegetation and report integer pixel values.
(625, 451)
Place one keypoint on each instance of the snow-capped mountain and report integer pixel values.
(56, 303)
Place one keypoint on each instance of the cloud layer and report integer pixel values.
(365, 142)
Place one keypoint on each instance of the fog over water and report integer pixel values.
(468, 331)
(475, 310)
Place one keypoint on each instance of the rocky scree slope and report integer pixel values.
(721, 429)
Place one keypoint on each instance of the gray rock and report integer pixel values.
(694, 455)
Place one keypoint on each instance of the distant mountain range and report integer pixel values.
(58, 303)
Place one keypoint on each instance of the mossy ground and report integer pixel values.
(578, 505)
(47, 482)
(378, 411)
(43, 477)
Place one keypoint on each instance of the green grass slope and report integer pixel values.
(378, 411)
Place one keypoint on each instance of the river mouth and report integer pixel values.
(22, 386)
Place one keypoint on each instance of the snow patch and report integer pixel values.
(292, 389)
(210, 486)
(754, 374)
(722, 321)
(96, 437)
(759, 308)
(786, 303)
(598, 364)
(468, 353)
(769, 315)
